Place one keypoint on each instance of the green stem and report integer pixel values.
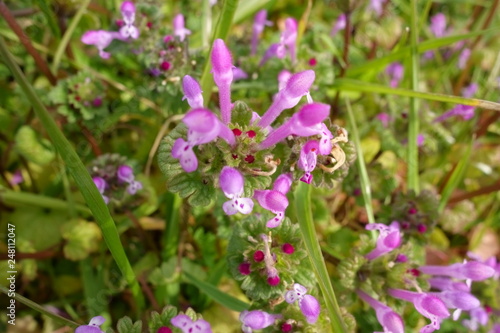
(361, 86)
(67, 35)
(221, 31)
(39, 308)
(304, 215)
(80, 175)
(413, 118)
(363, 173)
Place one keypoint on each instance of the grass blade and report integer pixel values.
(455, 178)
(80, 175)
(218, 296)
(67, 35)
(363, 173)
(356, 85)
(413, 117)
(39, 308)
(221, 31)
(247, 8)
(304, 216)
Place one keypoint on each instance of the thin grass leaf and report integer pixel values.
(81, 177)
(221, 31)
(40, 308)
(363, 173)
(455, 178)
(413, 116)
(433, 44)
(218, 296)
(304, 216)
(68, 34)
(247, 8)
(36, 200)
(51, 18)
(360, 86)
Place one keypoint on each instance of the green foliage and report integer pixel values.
(32, 147)
(82, 238)
(126, 325)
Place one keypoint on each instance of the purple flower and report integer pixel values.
(478, 316)
(259, 23)
(133, 187)
(290, 37)
(275, 200)
(388, 239)
(222, 71)
(438, 25)
(384, 118)
(297, 86)
(307, 160)
(308, 304)
(471, 270)
(231, 182)
(203, 126)
(306, 122)
(395, 71)
(188, 326)
(257, 320)
(17, 178)
(464, 57)
(239, 74)
(377, 6)
(128, 12)
(283, 77)
(428, 305)
(464, 111)
(470, 90)
(93, 326)
(101, 185)
(340, 24)
(100, 39)
(275, 50)
(192, 92)
(125, 174)
(179, 28)
(420, 140)
(390, 320)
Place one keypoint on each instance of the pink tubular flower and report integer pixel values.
(188, 326)
(179, 28)
(297, 86)
(427, 305)
(384, 118)
(231, 182)
(472, 270)
(275, 200)
(388, 239)
(222, 65)
(203, 127)
(257, 320)
(125, 174)
(290, 37)
(307, 160)
(100, 39)
(192, 92)
(390, 320)
(101, 185)
(128, 29)
(478, 316)
(463, 58)
(239, 74)
(306, 122)
(438, 25)
(93, 326)
(17, 178)
(275, 50)
(283, 77)
(376, 6)
(395, 71)
(340, 24)
(308, 304)
(259, 23)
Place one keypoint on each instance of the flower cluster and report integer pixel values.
(287, 43)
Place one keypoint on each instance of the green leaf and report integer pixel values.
(247, 8)
(82, 238)
(304, 215)
(213, 292)
(125, 325)
(162, 319)
(51, 19)
(32, 147)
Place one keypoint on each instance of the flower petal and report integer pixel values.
(231, 182)
(229, 207)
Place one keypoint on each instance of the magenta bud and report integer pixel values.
(222, 63)
(164, 329)
(192, 92)
(244, 268)
(258, 256)
(288, 248)
(273, 281)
